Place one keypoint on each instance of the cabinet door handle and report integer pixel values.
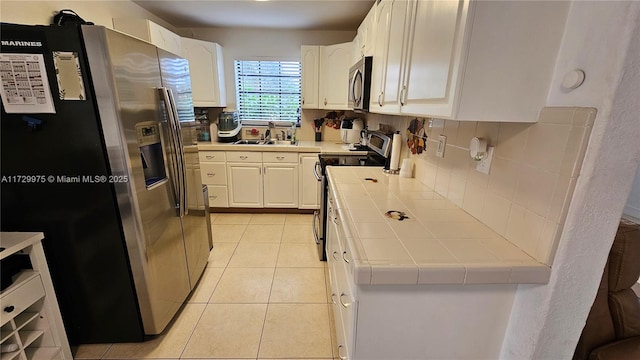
(211, 174)
(380, 98)
(210, 157)
(403, 93)
(325, 101)
(213, 197)
(346, 305)
(302, 101)
(9, 309)
(334, 255)
(242, 157)
(333, 300)
(280, 157)
(344, 253)
(340, 347)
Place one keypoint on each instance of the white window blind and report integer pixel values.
(268, 90)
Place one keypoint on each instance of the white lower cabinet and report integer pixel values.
(247, 179)
(213, 173)
(409, 321)
(308, 183)
(280, 179)
(244, 179)
(342, 289)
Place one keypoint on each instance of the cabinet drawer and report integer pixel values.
(211, 156)
(345, 301)
(16, 299)
(343, 315)
(280, 157)
(218, 196)
(244, 156)
(213, 174)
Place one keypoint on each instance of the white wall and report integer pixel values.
(602, 39)
(98, 12)
(261, 44)
(632, 209)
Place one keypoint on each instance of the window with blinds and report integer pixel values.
(268, 90)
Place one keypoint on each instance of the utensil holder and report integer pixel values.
(318, 136)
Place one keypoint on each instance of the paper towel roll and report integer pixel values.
(396, 146)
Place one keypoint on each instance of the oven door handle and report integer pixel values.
(316, 215)
(316, 172)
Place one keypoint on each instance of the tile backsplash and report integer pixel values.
(526, 195)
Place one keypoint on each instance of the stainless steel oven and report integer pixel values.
(374, 157)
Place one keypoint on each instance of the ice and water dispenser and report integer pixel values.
(149, 142)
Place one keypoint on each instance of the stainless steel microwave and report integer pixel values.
(360, 84)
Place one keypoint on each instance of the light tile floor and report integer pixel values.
(263, 295)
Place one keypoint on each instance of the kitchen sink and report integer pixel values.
(282, 142)
(266, 142)
(249, 142)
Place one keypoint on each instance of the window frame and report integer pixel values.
(264, 122)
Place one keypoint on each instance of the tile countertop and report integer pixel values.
(438, 244)
(325, 147)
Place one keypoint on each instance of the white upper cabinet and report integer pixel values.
(310, 62)
(428, 80)
(388, 59)
(206, 65)
(150, 32)
(466, 60)
(334, 76)
(325, 76)
(366, 33)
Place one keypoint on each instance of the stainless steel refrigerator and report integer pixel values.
(92, 156)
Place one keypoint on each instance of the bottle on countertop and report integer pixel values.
(293, 132)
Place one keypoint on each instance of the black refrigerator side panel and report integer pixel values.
(84, 242)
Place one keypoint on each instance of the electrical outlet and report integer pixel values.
(484, 165)
(442, 142)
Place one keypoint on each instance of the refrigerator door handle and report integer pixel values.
(174, 164)
(182, 183)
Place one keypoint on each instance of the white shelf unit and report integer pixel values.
(30, 317)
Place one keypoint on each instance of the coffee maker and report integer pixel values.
(350, 131)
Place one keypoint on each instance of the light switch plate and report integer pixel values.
(442, 143)
(484, 165)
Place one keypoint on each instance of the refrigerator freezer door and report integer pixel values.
(175, 77)
(126, 75)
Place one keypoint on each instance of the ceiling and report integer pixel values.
(276, 14)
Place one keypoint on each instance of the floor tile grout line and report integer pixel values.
(264, 321)
(184, 348)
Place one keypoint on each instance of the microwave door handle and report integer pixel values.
(356, 101)
(172, 141)
(182, 185)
